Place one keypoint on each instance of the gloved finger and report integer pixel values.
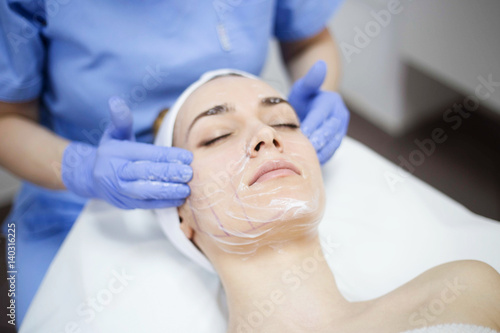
(139, 151)
(325, 153)
(325, 133)
(121, 126)
(340, 110)
(321, 109)
(147, 190)
(306, 87)
(155, 204)
(314, 78)
(310, 83)
(164, 172)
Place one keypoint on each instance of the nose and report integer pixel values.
(265, 138)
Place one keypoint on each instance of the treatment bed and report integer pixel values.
(116, 271)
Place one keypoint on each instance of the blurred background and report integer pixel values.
(409, 69)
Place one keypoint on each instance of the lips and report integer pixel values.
(273, 169)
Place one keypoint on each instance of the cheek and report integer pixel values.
(302, 151)
(216, 171)
(299, 146)
(217, 174)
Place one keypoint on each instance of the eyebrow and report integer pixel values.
(225, 108)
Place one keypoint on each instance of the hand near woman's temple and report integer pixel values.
(323, 115)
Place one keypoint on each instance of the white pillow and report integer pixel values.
(383, 234)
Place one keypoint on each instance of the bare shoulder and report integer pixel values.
(485, 286)
(474, 285)
(469, 270)
(482, 279)
(465, 291)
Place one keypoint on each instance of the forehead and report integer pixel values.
(234, 90)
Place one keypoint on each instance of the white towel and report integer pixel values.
(453, 328)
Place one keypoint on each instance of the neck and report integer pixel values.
(290, 289)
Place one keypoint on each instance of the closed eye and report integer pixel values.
(212, 141)
(290, 125)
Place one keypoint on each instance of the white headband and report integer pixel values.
(168, 217)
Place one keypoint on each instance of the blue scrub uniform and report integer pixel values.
(74, 55)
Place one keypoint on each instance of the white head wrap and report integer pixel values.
(168, 217)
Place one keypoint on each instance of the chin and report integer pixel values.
(266, 214)
(272, 222)
(282, 194)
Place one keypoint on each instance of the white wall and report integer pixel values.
(456, 41)
(451, 41)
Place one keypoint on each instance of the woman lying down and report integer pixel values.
(256, 200)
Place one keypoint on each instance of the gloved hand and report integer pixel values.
(126, 173)
(323, 115)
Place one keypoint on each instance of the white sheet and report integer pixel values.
(382, 234)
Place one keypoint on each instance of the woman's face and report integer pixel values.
(256, 178)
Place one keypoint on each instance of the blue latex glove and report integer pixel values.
(126, 173)
(324, 116)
